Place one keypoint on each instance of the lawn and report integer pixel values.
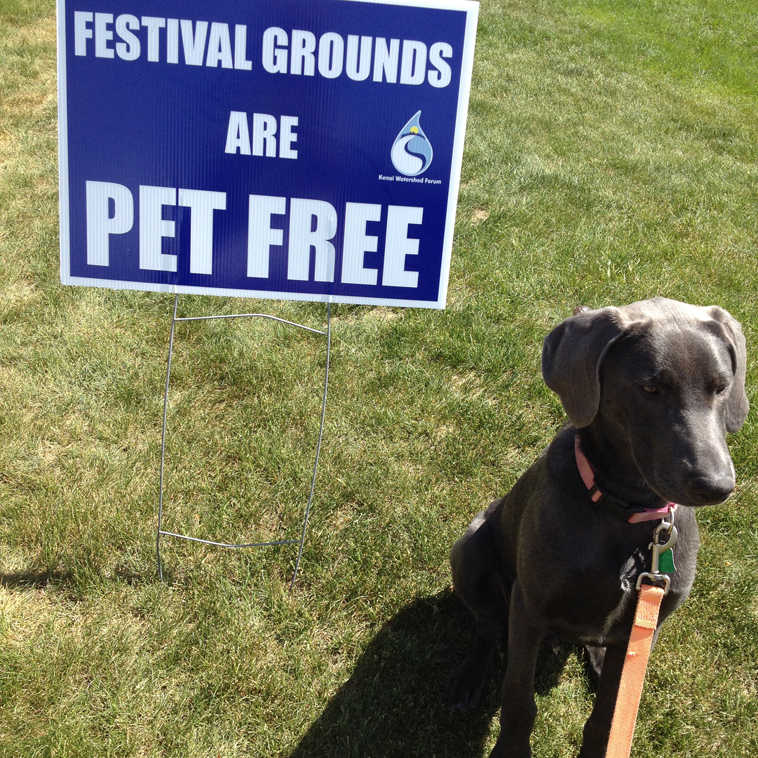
(610, 156)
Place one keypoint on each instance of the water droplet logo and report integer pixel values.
(411, 151)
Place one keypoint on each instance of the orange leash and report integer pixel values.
(633, 673)
(641, 640)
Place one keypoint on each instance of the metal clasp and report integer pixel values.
(664, 537)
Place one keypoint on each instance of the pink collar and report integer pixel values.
(588, 477)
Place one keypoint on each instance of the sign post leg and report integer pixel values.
(318, 443)
(160, 532)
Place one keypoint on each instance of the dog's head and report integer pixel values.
(668, 378)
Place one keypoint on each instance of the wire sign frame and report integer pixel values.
(300, 541)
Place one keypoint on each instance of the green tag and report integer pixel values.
(666, 562)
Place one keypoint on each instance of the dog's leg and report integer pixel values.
(598, 725)
(483, 591)
(519, 709)
(488, 601)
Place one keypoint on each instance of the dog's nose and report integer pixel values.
(712, 489)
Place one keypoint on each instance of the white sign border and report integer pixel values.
(469, 7)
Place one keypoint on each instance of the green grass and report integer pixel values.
(610, 156)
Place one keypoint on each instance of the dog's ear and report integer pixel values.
(571, 357)
(737, 404)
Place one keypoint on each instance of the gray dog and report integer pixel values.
(650, 389)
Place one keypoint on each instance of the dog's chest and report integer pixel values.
(599, 626)
(617, 621)
(597, 605)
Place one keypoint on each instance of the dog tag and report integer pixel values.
(666, 562)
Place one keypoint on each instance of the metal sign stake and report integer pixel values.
(160, 532)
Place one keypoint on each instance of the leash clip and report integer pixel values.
(664, 538)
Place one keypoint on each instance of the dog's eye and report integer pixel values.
(650, 388)
(720, 388)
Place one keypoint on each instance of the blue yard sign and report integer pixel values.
(300, 149)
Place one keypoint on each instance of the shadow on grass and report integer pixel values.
(396, 703)
(33, 580)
